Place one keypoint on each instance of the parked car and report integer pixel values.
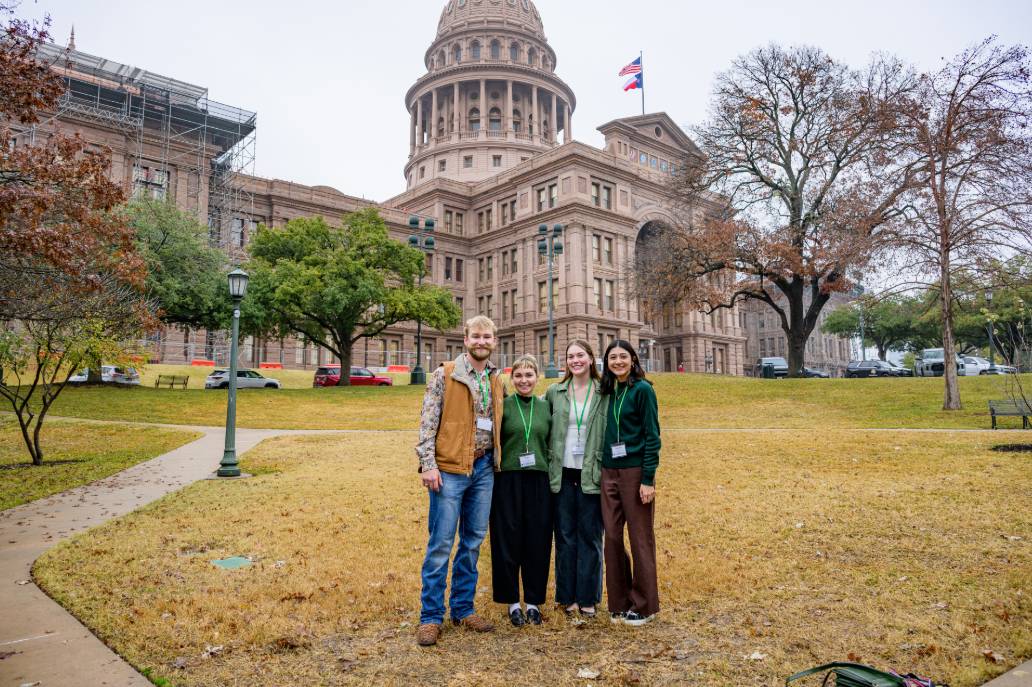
(998, 369)
(246, 379)
(109, 374)
(780, 366)
(360, 376)
(931, 363)
(815, 374)
(870, 368)
(901, 371)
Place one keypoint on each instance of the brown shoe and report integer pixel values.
(476, 623)
(426, 635)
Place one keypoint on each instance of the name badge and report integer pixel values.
(484, 423)
(578, 450)
(619, 450)
(528, 460)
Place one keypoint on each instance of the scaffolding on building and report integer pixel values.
(179, 144)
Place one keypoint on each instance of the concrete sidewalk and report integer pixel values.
(40, 642)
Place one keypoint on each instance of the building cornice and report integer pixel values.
(491, 71)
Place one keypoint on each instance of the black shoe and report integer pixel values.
(517, 618)
(534, 616)
(617, 618)
(569, 611)
(635, 620)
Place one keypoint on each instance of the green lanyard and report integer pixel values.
(618, 411)
(587, 402)
(484, 389)
(526, 425)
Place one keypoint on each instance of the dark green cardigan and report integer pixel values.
(513, 442)
(639, 430)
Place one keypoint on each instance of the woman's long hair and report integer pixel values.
(581, 343)
(609, 379)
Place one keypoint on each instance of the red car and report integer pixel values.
(330, 375)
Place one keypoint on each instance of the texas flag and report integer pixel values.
(637, 76)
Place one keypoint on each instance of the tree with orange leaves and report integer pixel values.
(792, 193)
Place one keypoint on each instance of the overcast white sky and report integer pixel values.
(328, 79)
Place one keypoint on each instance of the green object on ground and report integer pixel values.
(234, 563)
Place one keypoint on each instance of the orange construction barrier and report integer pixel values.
(507, 371)
(203, 363)
(270, 366)
(398, 368)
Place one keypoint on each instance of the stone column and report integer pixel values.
(483, 105)
(412, 132)
(419, 120)
(535, 111)
(433, 114)
(555, 118)
(456, 119)
(567, 136)
(508, 109)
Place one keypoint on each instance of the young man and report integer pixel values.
(459, 451)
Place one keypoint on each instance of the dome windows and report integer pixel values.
(517, 121)
(532, 57)
(457, 54)
(496, 50)
(474, 119)
(474, 51)
(514, 52)
(495, 119)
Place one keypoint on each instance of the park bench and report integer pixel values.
(172, 381)
(1010, 409)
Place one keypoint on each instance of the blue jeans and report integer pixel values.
(464, 503)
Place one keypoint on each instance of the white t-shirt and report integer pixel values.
(576, 462)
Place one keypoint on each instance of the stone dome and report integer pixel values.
(522, 13)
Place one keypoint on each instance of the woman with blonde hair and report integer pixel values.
(575, 466)
(521, 515)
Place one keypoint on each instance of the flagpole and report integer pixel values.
(641, 59)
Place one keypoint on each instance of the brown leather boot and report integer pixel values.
(426, 635)
(476, 623)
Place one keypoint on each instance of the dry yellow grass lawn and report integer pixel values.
(905, 550)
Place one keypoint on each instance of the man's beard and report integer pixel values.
(479, 353)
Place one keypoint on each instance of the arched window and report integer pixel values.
(440, 127)
(474, 50)
(517, 121)
(532, 57)
(458, 54)
(514, 52)
(495, 119)
(496, 50)
(441, 59)
(474, 119)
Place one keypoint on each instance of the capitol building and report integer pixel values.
(492, 155)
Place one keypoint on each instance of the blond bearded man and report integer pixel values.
(459, 451)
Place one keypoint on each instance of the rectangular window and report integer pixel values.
(610, 304)
(542, 297)
(505, 262)
(542, 346)
(496, 161)
(430, 265)
(542, 196)
(149, 182)
(489, 223)
(480, 305)
(608, 252)
(447, 268)
(553, 195)
(467, 162)
(458, 223)
(678, 317)
(480, 269)
(490, 306)
(596, 194)
(596, 248)
(236, 232)
(598, 293)
(505, 304)
(458, 269)
(607, 198)
(442, 165)
(448, 221)
(512, 210)
(514, 265)
(480, 222)
(490, 267)
(505, 214)
(459, 302)
(513, 312)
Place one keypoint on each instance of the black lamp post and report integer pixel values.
(550, 245)
(989, 328)
(229, 467)
(421, 239)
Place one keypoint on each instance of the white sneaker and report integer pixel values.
(634, 620)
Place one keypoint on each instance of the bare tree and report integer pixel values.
(970, 125)
(797, 178)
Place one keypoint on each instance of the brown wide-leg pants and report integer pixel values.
(628, 590)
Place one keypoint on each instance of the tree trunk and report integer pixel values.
(345, 362)
(951, 400)
(796, 332)
(882, 352)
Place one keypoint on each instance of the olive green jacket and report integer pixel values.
(591, 474)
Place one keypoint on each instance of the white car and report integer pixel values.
(109, 374)
(246, 379)
(970, 366)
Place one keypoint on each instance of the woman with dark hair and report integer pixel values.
(575, 457)
(630, 457)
